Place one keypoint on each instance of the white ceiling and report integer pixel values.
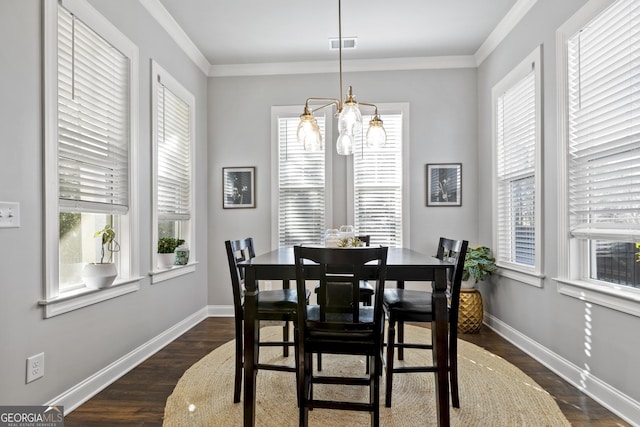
(240, 32)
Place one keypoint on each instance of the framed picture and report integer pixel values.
(444, 184)
(239, 188)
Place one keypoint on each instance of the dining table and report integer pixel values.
(403, 265)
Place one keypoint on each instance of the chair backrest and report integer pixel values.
(341, 269)
(238, 250)
(454, 251)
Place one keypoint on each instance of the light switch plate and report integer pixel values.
(9, 215)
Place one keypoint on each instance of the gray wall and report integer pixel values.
(450, 112)
(442, 130)
(80, 343)
(597, 340)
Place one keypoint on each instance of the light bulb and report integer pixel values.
(376, 135)
(350, 119)
(344, 144)
(306, 126)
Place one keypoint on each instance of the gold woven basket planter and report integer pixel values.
(471, 311)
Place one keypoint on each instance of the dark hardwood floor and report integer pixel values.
(138, 398)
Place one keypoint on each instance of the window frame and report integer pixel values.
(530, 275)
(160, 76)
(278, 112)
(572, 254)
(56, 302)
(402, 109)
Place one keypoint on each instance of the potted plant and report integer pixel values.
(478, 265)
(102, 274)
(166, 249)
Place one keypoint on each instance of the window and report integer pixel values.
(90, 75)
(518, 171)
(600, 139)
(375, 179)
(302, 196)
(173, 135)
(378, 184)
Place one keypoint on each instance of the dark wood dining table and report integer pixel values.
(402, 265)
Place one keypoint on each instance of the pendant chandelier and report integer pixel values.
(348, 113)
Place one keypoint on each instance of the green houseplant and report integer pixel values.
(166, 249)
(108, 237)
(102, 274)
(478, 265)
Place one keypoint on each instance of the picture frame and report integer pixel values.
(238, 187)
(444, 184)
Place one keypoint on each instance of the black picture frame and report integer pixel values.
(238, 187)
(444, 184)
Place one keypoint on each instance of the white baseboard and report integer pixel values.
(220, 311)
(609, 397)
(85, 390)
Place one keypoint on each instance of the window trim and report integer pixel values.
(402, 108)
(620, 298)
(159, 275)
(54, 302)
(532, 276)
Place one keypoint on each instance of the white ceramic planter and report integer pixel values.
(468, 284)
(166, 260)
(98, 276)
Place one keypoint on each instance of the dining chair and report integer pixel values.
(405, 305)
(339, 324)
(366, 292)
(275, 305)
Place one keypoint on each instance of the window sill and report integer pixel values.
(83, 297)
(616, 297)
(175, 271)
(520, 275)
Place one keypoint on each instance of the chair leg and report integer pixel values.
(375, 392)
(237, 383)
(319, 362)
(453, 372)
(297, 363)
(391, 336)
(285, 339)
(305, 388)
(400, 340)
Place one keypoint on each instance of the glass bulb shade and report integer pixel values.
(313, 141)
(309, 133)
(344, 144)
(350, 119)
(376, 135)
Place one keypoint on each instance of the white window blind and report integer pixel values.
(516, 168)
(302, 191)
(377, 179)
(174, 156)
(604, 131)
(93, 120)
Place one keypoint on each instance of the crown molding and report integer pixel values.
(164, 18)
(354, 65)
(508, 23)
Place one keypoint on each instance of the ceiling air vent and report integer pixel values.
(347, 43)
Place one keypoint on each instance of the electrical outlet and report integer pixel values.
(35, 367)
(9, 215)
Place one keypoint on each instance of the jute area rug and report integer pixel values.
(493, 392)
